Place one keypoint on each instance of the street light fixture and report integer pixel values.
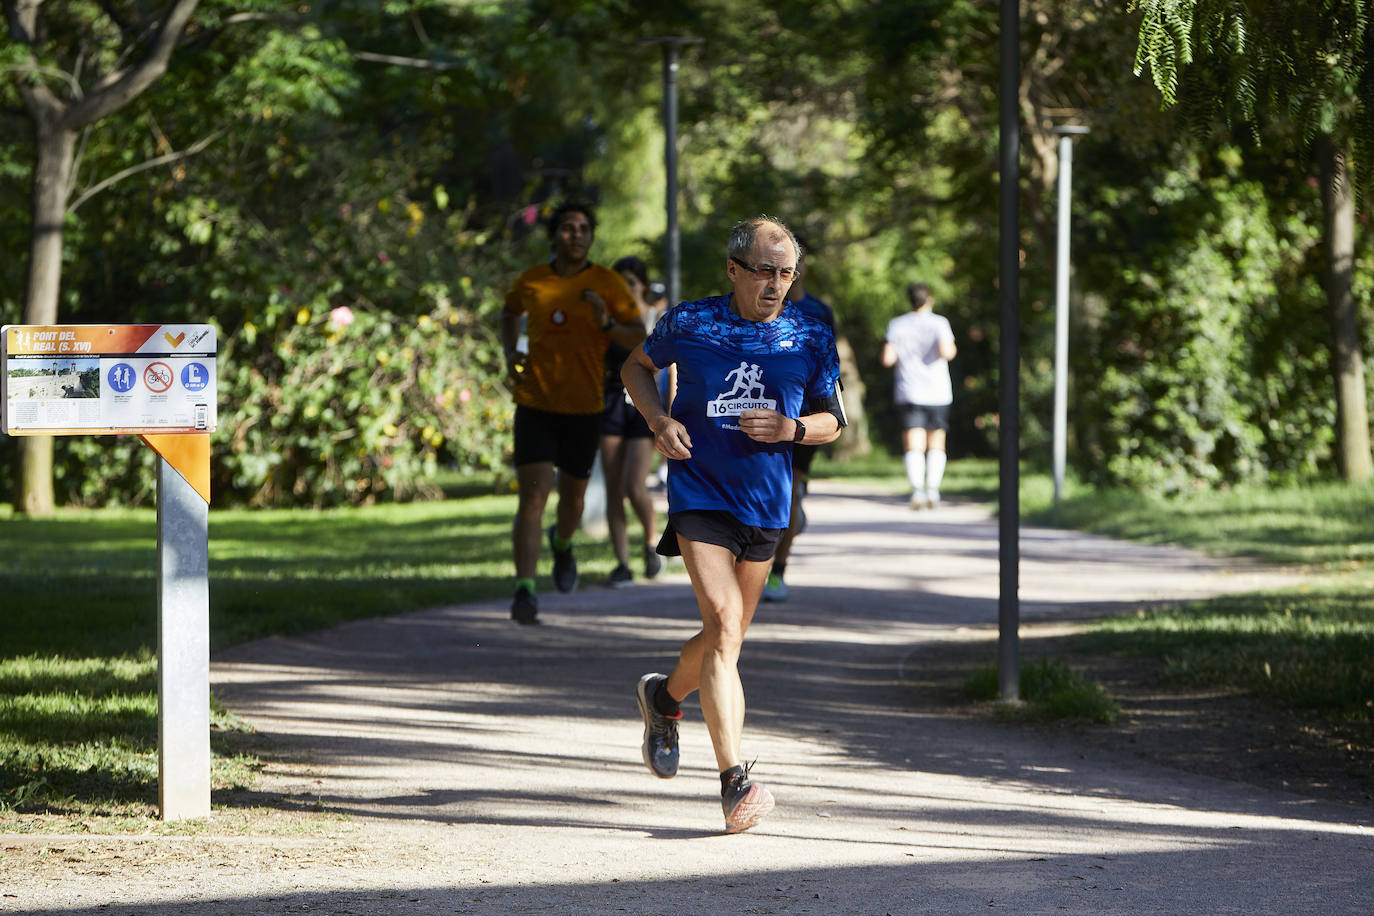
(1066, 133)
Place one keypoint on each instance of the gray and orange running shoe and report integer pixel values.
(660, 731)
(745, 803)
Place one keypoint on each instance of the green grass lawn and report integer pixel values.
(78, 718)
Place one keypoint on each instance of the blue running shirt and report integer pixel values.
(727, 365)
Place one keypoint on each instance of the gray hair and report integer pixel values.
(743, 235)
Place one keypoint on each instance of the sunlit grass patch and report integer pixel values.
(1049, 689)
(82, 733)
(1312, 646)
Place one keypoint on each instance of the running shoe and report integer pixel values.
(660, 731)
(918, 499)
(745, 803)
(774, 589)
(524, 609)
(933, 499)
(564, 564)
(653, 563)
(620, 577)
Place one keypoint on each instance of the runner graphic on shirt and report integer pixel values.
(747, 383)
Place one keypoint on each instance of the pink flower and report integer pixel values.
(530, 215)
(464, 396)
(341, 317)
(382, 256)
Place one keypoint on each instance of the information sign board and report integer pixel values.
(125, 378)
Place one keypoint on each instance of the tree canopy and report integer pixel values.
(393, 161)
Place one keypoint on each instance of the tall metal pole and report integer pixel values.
(1061, 305)
(672, 254)
(674, 237)
(1009, 275)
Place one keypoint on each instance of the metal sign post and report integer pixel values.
(183, 645)
(158, 381)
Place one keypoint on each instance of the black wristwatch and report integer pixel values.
(801, 431)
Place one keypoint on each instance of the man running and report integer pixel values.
(730, 479)
(572, 310)
(920, 345)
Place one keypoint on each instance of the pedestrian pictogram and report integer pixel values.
(121, 377)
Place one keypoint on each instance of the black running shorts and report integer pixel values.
(568, 440)
(924, 416)
(716, 526)
(621, 418)
(802, 456)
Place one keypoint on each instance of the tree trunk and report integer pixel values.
(1347, 362)
(854, 443)
(55, 149)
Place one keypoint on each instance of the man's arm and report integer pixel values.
(889, 354)
(510, 336)
(670, 436)
(771, 426)
(947, 350)
(629, 333)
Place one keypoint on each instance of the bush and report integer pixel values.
(348, 407)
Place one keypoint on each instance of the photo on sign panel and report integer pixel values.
(50, 378)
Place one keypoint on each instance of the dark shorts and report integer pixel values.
(802, 456)
(622, 419)
(715, 526)
(568, 440)
(924, 416)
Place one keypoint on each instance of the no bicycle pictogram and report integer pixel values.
(158, 377)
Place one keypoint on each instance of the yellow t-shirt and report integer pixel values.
(565, 371)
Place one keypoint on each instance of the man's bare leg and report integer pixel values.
(727, 595)
(535, 483)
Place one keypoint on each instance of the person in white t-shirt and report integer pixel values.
(920, 345)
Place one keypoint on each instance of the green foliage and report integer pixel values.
(1294, 67)
(1204, 367)
(1050, 689)
(392, 162)
(348, 407)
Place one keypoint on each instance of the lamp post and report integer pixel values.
(1066, 133)
(1008, 409)
(672, 255)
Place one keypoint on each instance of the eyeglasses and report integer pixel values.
(768, 272)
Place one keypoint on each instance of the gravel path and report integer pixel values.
(466, 765)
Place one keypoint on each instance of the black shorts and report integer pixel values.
(622, 419)
(924, 416)
(716, 526)
(568, 440)
(802, 456)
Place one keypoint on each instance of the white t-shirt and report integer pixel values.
(922, 376)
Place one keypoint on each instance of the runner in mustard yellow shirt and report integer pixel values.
(572, 310)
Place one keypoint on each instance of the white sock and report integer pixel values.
(915, 470)
(935, 470)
